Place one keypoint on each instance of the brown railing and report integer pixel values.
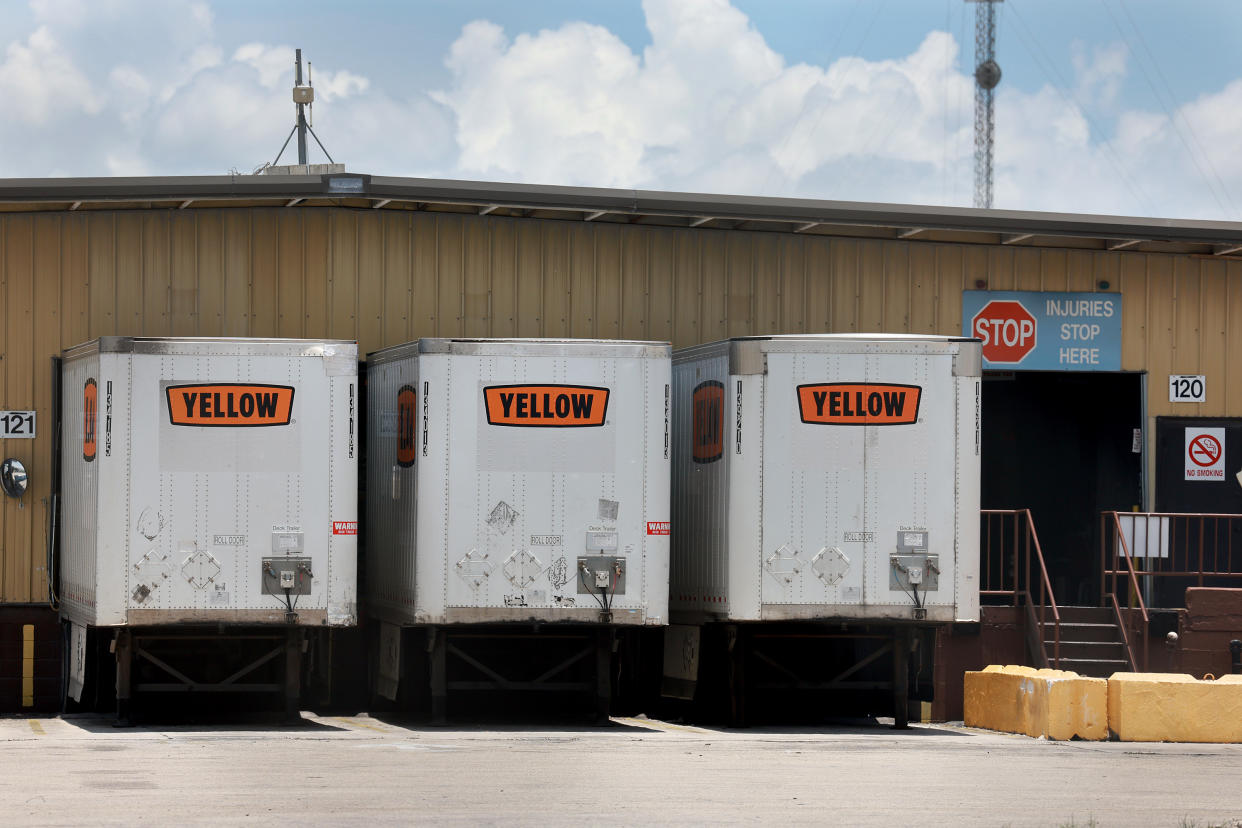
(1009, 546)
(1166, 552)
(1114, 537)
(1193, 547)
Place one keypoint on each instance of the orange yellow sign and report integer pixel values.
(227, 404)
(850, 403)
(561, 406)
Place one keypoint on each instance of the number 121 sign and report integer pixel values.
(17, 425)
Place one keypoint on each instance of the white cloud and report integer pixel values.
(126, 165)
(61, 12)
(1100, 74)
(275, 68)
(148, 86)
(273, 63)
(341, 84)
(545, 106)
(706, 100)
(708, 105)
(39, 81)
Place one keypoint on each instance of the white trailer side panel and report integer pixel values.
(539, 464)
(701, 400)
(79, 450)
(395, 403)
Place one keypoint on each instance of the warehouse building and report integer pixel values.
(1108, 339)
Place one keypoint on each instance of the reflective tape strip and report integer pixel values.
(28, 665)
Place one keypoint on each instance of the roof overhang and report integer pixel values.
(808, 217)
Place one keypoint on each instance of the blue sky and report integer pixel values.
(1115, 106)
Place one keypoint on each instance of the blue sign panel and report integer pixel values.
(1035, 331)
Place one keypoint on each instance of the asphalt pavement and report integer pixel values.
(347, 770)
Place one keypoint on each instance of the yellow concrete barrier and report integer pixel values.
(1054, 704)
(1171, 707)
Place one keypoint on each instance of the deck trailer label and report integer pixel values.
(859, 404)
(558, 406)
(229, 405)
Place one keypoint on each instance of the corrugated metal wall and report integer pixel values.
(385, 277)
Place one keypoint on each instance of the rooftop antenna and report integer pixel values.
(987, 76)
(303, 100)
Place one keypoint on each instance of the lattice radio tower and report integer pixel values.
(987, 76)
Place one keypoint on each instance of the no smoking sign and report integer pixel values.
(1205, 454)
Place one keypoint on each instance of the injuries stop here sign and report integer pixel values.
(1205, 453)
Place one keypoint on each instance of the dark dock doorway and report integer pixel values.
(1063, 445)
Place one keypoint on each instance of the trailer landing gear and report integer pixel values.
(901, 678)
(551, 661)
(162, 661)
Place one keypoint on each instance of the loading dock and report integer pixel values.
(386, 260)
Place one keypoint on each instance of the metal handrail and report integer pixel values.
(1045, 590)
(1124, 548)
(1125, 636)
(1187, 545)
(1023, 544)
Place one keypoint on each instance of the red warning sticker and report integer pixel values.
(658, 527)
(344, 527)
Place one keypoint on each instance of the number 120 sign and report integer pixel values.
(1190, 388)
(17, 424)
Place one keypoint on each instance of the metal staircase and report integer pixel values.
(1013, 570)
(1138, 551)
(1091, 642)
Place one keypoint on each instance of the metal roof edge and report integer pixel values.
(694, 206)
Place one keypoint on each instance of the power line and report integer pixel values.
(1048, 66)
(1172, 111)
(944, 128)
(879, 7)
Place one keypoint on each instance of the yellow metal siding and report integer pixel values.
(384, 277)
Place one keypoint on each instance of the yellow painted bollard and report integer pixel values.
(1172, 707)
(1053, 704)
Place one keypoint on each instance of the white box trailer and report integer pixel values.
(820, 478)
(514, 485)
(826, 477)
(518, 480)
(208, 481)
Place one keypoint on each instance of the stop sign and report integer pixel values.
(1007, 330)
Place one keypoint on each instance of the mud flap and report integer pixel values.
(681, 661)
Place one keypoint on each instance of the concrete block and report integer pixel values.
(1054, 704)
(1172, 707)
